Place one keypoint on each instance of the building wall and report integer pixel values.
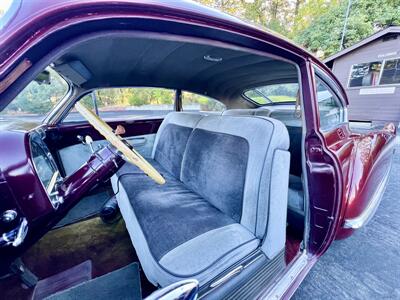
(376, 106)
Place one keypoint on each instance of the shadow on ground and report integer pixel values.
(366, 265)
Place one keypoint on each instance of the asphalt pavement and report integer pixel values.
(366, 265)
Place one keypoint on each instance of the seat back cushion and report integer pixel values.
(171, 140)
(215, 168)
(249, 112)
(295, 132)
(228, 162)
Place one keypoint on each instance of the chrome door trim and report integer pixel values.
(281, 286)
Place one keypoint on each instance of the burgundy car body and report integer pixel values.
(344, 169)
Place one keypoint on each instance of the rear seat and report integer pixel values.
(296, 193)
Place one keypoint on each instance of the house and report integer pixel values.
(370, 73)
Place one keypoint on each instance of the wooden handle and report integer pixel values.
(131, 155)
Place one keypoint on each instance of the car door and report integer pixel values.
(139, 122)
(364, 157)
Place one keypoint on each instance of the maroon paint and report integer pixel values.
(28, 195)
(364, 159)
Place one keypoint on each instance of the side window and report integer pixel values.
(331, 111)
(37, 98)
(194, 102)
(127, 103)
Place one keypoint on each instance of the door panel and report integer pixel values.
(64, 144)
(73, 157)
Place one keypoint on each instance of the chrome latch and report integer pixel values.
(16, 236)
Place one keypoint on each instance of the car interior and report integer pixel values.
(233, 202)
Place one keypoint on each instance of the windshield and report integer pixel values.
(4, 6)
(37, 98)
(6, 12)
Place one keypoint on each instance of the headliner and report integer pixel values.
(112, 61)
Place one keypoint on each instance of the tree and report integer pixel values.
(323, 34)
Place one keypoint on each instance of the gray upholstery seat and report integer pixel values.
(225, 196)
(263, 112)
(296, 193)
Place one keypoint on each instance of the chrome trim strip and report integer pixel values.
(182, 290)
(226, 277)
(373, 205)
(53, 116)
(282, 285)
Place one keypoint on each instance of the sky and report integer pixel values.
(4, 4)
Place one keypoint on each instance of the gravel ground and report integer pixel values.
(366, 265)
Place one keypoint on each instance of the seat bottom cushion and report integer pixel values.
(176, 232)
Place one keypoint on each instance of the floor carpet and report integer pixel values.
(107, 246)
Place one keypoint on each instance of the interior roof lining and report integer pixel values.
(123, 70)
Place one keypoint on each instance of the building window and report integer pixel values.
(365, 74)
(391, 72)
(274, 93)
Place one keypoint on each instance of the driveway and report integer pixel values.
(366, 265)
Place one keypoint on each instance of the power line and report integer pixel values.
(345, 25)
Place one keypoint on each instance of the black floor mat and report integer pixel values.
(88, 207)
(120, 284)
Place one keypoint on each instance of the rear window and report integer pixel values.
(274, 93)
(195, 103)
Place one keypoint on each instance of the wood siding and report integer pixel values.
(376, 107)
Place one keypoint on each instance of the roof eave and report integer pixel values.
(371, 38)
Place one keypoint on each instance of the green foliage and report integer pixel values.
(315, 24)
(366, 17)
(38, 98)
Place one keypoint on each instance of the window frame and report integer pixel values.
(332, 87)
(383, 62)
